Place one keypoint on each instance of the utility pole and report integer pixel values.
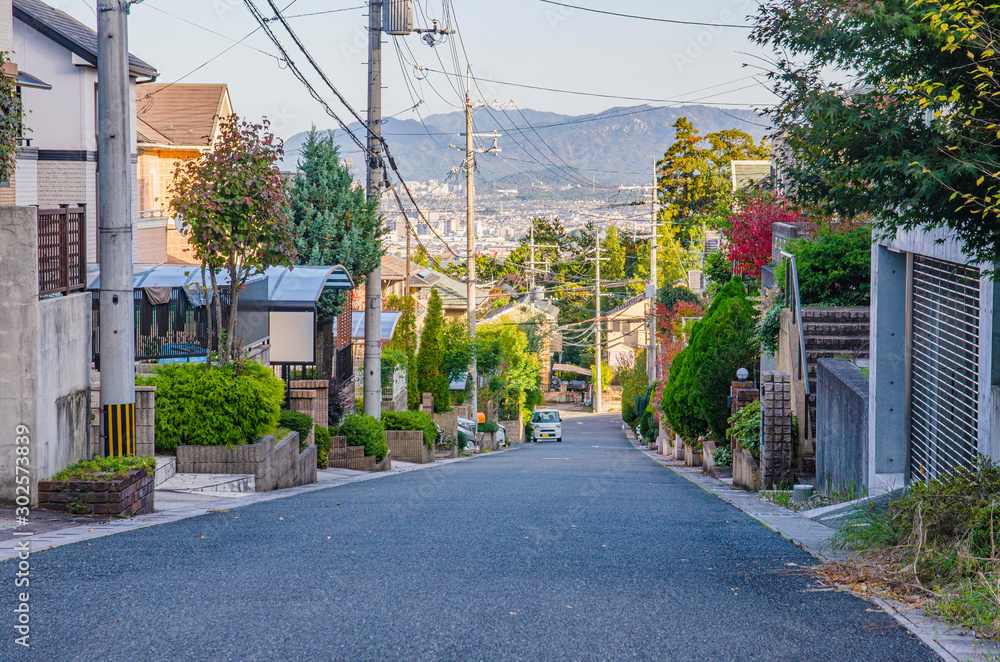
(470, 219)
(406, 286)
(653, 280)
(597, 328)
(531, 251)
(373, 281)
(470, 222)
(117, 305)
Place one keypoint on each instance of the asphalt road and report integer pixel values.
(581, 550)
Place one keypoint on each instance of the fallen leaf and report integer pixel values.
(202, 538)
(513, 613)
(281, 518)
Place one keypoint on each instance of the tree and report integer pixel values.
(692, 178)
(507, 364)
(420, 257)
(907, 132)
(614, 268)
(405, 340)
(722, 342)
(234, 200)
(748, 229)
(431, 373)
(334, 223)
(11, 128)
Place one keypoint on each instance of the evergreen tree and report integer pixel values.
(405, 340)
(334, 223)
(431, 374)
(614, 268)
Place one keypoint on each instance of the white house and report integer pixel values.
(56, 64)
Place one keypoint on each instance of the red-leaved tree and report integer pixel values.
(748, 234)
(234, 201)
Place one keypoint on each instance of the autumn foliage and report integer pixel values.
(748, 231)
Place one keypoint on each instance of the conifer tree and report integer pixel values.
(431, 372)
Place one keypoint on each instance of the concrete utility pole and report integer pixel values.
(470, 219)
(653, 280)
(531, 251)
(373, 281)
(117, 305)
(598, 400)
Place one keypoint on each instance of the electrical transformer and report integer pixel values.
(397, 17)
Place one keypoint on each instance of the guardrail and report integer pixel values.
(62, 250)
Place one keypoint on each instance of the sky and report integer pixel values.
(518, 41)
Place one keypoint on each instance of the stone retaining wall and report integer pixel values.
(746, 473)
(515, 431)
(125, 497)
(275, 466)
(408, 446)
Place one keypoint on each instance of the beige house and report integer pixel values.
(175, 123)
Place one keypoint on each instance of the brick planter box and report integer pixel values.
(408, 446)
(125, 497)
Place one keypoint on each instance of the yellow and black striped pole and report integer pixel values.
(119, 430)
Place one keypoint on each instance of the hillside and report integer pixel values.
(616, 146)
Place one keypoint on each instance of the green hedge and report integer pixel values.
(107, 468)
(296, 422)
(366, 431)
(834, 267)
(489, 426)
(323, 443)
(412, 420)
(216, 406)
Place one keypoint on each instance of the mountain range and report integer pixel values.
(539, 149)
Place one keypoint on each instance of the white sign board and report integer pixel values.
(293, 337)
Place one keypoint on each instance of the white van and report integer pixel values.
(546, 424)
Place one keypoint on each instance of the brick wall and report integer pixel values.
(71, 182)
(408, 446)
(311, 396)
(776, 429)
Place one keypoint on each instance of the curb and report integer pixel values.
(85, 532)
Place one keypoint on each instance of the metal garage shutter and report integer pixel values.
(944, 370)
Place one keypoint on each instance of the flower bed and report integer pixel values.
(104, 486)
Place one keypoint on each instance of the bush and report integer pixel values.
(222, 405)
(769, 328)
(323, 444)
(462, 440)
(366, 431)
(296, 422)
(834, 268)
(392, 359)
(107, 468)
(412, 420)
(723, 456)
(489, 426)
(669, 295)
(724, 341)
(678, 403)
(744, 425)
(648, 426)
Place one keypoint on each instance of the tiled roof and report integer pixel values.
(73, 35)
(182, 113)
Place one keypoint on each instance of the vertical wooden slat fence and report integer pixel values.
(62, 250)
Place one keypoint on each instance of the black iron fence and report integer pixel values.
(62, 250)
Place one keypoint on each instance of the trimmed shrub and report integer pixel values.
(489, 426)
(296, 421)
(412, 420)
(107, 468)
(222, 405)
(323, 443)
(679, 405)
(366, 431)
(724, 341)
(834, 268)
(648, 426)
(462, 440)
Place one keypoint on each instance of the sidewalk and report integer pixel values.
(50, 529)
(952, 643)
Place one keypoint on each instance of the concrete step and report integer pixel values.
(199, 483)
(852, 329)
(844, 343)
(166, 467)
(835, 314)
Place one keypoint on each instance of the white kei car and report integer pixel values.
(546, 424)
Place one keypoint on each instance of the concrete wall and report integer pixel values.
(45, 351)
(841, 425)
(787, 360)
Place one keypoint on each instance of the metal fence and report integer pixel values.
(62, 250)
(944, 370)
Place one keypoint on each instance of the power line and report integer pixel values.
(647, 18)
(597, 94)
